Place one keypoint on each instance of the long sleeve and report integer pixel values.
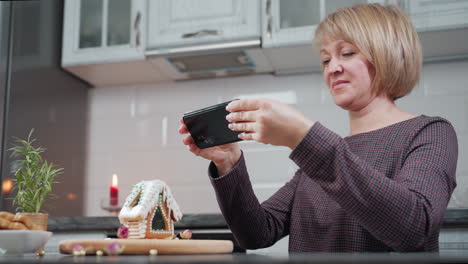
(397, 190)
(254, 225)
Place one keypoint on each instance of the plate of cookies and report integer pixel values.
(19, 235)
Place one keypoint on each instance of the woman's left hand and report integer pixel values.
(268, 121)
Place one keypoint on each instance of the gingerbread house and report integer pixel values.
(150, 211)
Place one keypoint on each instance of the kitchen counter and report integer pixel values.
(247, 258)
(453, 238)
(213, 226)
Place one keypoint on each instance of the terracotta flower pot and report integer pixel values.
(40, 219)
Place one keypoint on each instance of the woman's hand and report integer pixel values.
(268, 121)
(224, 156)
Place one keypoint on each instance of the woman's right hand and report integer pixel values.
(223, 156)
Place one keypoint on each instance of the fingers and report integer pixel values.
(194, 149)
(182, 128)
(190, 143)
(243, 105)
(249, 136)
(246, 126)
(187, 140)
(241, 116)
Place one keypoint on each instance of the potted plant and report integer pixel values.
(34, 179)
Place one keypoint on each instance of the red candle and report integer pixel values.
(114, 191)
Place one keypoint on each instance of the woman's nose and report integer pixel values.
(334, 66)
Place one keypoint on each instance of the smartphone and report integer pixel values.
(209, 127)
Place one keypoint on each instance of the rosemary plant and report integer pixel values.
(34, 176)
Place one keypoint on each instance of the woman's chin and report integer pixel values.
(342, 102)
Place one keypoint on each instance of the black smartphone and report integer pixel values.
(209, 127)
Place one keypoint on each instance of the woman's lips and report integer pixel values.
(339, 84)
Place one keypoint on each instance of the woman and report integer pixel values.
(385, 187)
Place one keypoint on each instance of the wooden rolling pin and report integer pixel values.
(143, 246)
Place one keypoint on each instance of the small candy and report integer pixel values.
(99, 253)
(187, 234)
(114, 249)
(77, 247)
(122, 231)
(153, 252)
(78, 250)
(40, 252)
(79, 253)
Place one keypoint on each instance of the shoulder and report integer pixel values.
(434, 131)
(432, 125)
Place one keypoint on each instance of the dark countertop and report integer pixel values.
(386, 258)
(108, 223)
(456, 218)
(453, 218)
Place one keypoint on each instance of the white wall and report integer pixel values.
(133, 131)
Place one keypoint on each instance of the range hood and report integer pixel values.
(240, 57)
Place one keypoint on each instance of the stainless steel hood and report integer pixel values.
(212, 60)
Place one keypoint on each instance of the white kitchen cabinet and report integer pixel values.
(103, 31)
(431, 15)
(287, 22)
(176, 23)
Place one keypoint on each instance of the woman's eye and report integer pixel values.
(348, 54)
(325, 62)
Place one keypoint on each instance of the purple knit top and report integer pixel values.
(383, 190)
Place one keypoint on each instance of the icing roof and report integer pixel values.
(149, 191)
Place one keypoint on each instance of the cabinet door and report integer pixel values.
(287, 22)
(102, 31)
(173, 23)
(428, 15)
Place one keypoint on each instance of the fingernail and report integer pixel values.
(228, 116)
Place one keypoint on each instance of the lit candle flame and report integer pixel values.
(115, 181)
(7, 186)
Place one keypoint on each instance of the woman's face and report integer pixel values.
(348, 74)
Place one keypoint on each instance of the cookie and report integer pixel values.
(5, 224)
(16, 222)
(26, 221)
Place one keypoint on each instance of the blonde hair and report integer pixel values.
(386, 37)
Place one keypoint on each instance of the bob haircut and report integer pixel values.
(386, 37)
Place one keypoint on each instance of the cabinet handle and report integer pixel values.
(268, 7)
(202, 33)
(269, 30)
(136, 27)
(269, 19)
